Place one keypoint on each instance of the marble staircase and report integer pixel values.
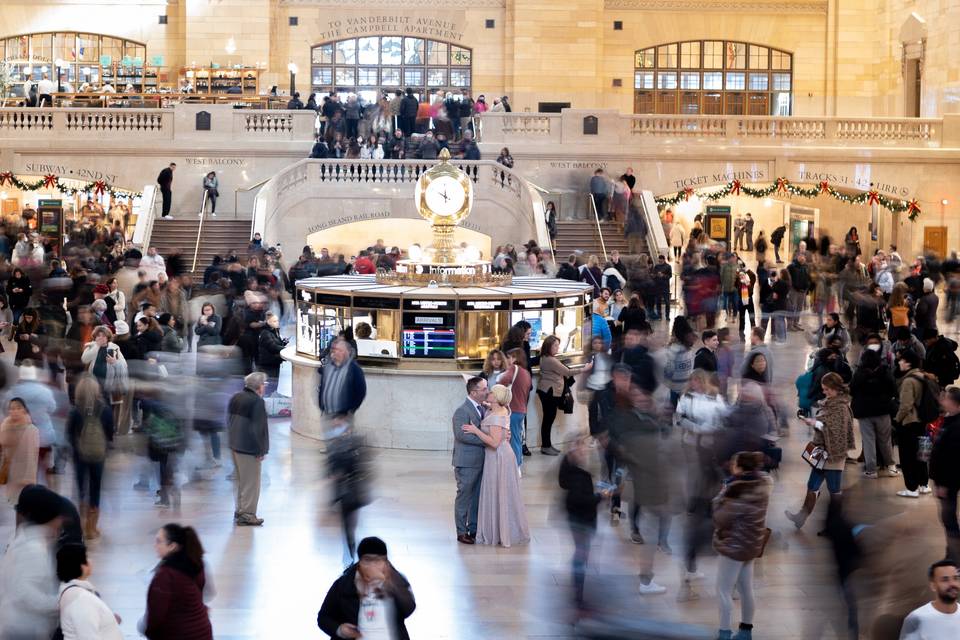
(219, 237)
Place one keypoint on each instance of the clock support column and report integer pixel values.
(444, 252)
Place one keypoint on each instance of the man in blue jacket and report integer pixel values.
(342, 388)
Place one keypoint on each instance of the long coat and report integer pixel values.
(739, 517)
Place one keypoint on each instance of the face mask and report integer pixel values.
(873, 347)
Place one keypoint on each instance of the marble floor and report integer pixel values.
(270, 581)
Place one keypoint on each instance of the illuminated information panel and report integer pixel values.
(429, 329)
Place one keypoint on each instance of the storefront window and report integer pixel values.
(727, 67)
(86, 57)
(389, 63)
(377, 332)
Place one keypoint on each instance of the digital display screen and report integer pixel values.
(427, 334)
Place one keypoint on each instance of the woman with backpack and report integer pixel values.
(918, 406)
(89, 429)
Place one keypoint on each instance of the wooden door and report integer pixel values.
(935, 241)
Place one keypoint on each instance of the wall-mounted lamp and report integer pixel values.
(231, 47)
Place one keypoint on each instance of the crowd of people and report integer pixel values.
(397, 126)
(690, 432)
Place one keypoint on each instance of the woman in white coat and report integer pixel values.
(83, 615)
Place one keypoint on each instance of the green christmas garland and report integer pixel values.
(51, 181)
(781, 186)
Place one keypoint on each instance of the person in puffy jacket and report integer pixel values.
(872, 391)
(740, 533)
(270, 346)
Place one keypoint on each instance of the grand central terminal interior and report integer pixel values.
(606, 319)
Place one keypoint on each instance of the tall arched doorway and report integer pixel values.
(370, 66)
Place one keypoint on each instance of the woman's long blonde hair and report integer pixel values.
(87, 393)
(898, 297)
(707, 380)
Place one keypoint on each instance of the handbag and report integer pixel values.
(566, 398)
(815, 455)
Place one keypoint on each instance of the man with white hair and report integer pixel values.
(153, 263)
(925, 313)
(249, 439)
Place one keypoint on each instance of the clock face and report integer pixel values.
(445, 196)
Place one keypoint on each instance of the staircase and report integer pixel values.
(581, 235)
(219, 238)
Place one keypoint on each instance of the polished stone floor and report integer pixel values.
(270, 581)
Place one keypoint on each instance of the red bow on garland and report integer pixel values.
(873, 197)
(6, 178)
(781, 185)
(913, 208)
(688, 192)
(50, 180)
(735, 187)
(99, 187)
(824, 186)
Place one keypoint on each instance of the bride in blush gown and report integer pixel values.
(502, 518)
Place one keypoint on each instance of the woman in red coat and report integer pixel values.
(175, 608)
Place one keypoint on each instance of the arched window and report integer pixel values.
(713, 77)
(83, 57)
(375, 64)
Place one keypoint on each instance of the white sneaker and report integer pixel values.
(691, 576)
(906, 493)
(167, 218)
(652, 589)
(892, 471)
(924, 490)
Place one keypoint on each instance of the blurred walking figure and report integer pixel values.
(945, 469)
(342, 387)
(19, 449)
(89, 429)
(581, 501)
(740, 534)
(635, 441)
(165, 440)
(349, 470)
(28, 580)
(250, 442)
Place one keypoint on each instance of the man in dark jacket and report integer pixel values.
(271, 343)
(342, 386)
(165, 180)
(706, 357)
(470, 149)
(569, 270)
(407, 115)
(373, 584)
(872, 392)
(249, 440)
(941, 358)
(799, 286)
(775, 239)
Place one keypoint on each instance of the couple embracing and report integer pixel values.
(488, 508)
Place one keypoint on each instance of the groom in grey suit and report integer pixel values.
(468, 454)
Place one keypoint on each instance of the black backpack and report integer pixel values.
(928, 407)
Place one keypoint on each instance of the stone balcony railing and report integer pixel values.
(574, 126)
(176, 124)
(179, 126)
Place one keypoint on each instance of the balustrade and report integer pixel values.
(113, 120)
(25, 120)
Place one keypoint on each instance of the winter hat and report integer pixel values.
(38, 504)
(371, 546)
(121, 328)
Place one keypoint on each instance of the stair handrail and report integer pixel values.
(196, 247)
(596, 217)
(236, 193)
(143, 229)
(656, 238)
